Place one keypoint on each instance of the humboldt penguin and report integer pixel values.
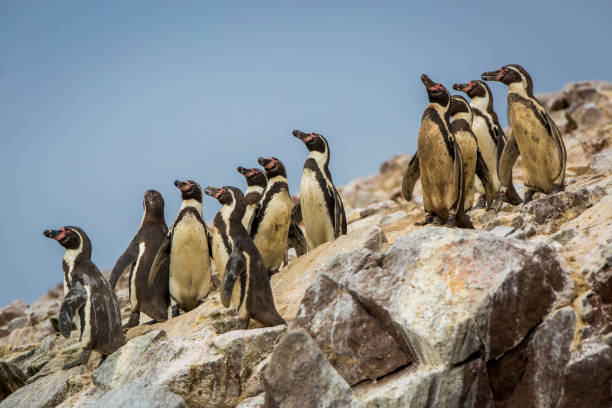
(256, 185)
(321, 205)
(89, 299)
(473, 162)
(490, 135)
(138, 258)
(440, 162)
(272, 217)
(188, 247)
(534, 136)
(245, 284)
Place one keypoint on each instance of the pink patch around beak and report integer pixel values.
(219, 193)
(271, 164)
(501, 73)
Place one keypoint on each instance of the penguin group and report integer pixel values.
(461, 150)
(171, 269)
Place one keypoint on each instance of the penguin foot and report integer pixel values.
(556, 188)
(102, 358)
(528, 195)
(497, 204)
(450, 222)
(482, 202)
(150, 322)
(134, 320)
(176, 310)
(242, 324)
(83, 358)
(429, 218)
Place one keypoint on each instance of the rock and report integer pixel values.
(558, 103)
(137, 394)
(203, 369)
(378, 207)
(587, 115)
(452, 306)
(11, 311)
(11, 379)
(587, 377)
(545, 356)
(553, 206)
(502, 231)
(299, 375)
(253, 402)
(462, 386)
(48, 391)
(18, 323)
(601, 163)
(563, 236)
(353, 341)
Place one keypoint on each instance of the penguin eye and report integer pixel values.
(68, 232)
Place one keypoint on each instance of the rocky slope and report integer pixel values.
(517, 313)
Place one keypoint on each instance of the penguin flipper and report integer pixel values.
(209, 239)
(75, 298)
(163, 253)
(235, 266)
(254, 221)
(296, 213)
(559, 179)
(125, 262)
(460, 218)
(482, 171)
(411, 176)
(506, 162)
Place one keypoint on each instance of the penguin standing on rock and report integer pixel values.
(90, 298)
(138, 258)
(271, 219)
(440, 162)
(490, 135)
(321, 206)
(245, 285)
(188, 249)
(256, 185)
(534, 136)
(473, 162)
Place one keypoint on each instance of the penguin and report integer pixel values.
(490, 135)
(188, 247)
(440, 162)
(296, 238)
(320, 204)
(90, 299)
(138, 258)
(534, 136)
(220, 242)
(245, 284)
(473, 163)
(269, 226)
(256, 185)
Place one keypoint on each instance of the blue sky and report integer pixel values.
(100, 101)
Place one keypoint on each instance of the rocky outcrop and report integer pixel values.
(516, 313)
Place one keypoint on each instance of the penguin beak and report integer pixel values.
(492, 75)
(299, 135)
(427, 81)
(460, 87)
(263, 161)
(211, 191)
(182, 185)
(243, 171)
(54, 234)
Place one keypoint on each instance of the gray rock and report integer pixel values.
(299, 375)
(257, 401)
(601, 163)
(18, 323)
(443, 294)
(11, 379)
(502, 231)
(48, 391)
(353, 341)
(137, 394)
(9, 312)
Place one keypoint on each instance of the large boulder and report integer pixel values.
(299, 375)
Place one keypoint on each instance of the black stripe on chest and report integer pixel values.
(432, 115)
(311, 164)
(277, 187)
(222, 229)
(461, 125)
(529, 104)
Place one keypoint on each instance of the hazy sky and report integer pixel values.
(102, 101)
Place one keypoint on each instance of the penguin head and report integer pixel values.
(231, 197)
(474, 89)
(189, 190)
(436, 92)
(153, 203)
(314, 142)
(272, 166)
(510, 74)
(254, 176)
(69, 237)
(460, 108)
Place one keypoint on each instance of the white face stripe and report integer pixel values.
(227, 210)
(467, 116)
(521, 88)
(71, 254)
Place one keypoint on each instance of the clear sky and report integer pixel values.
(100, 101)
